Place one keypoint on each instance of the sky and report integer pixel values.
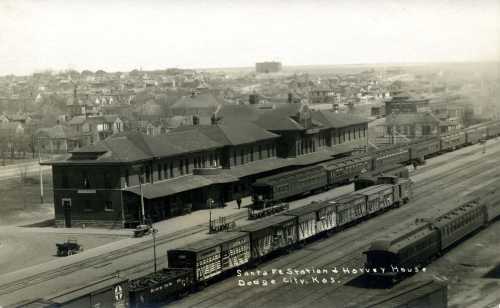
(113, 35)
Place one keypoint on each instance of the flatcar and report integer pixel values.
(415, 244)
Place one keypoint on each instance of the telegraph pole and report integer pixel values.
(40, 169)
(143, 219)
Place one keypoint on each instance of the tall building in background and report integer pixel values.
(267, 67)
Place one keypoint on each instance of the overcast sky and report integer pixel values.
(123, 35)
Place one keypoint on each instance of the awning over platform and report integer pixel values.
(181, 184)
(259, 166)
(170, 187)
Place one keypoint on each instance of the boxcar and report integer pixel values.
(345, 170)
(110, 292)
(305, 221)
(326, 215)
(159, 287)
(378, 197)
(452, 141)
(350, 208)
(212, 256)
(474, 134)
(285, 185)
(271, 234)
(424, 148)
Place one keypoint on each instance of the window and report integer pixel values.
(268, 150)
(171, 170)
(260, 151)
(127, 180)
(85, 180)
(242, 156)
(186, 163)
(181, 166)
(235, 160)
(159, 173)
(108, 206)
(251, 154)
(165, 171)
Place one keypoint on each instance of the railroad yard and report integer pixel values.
(449, 183)
(442, 182)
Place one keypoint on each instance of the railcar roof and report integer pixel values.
(303, 210)
(373, 189)
(212, 241)
(79, 292)
(265, 223)
(285, 174)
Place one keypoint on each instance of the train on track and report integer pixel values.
(413, 245)
(270, 194)
(202, 262)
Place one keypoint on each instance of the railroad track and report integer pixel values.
(102, 259)
(216, 299)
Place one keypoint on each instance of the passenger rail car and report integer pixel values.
(422, 149)
(347, 169)
(390, 155)
(416, 244)
(452, 141)
(476, 133)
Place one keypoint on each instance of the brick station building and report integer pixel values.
(100, 184)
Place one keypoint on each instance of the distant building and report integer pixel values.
(267, 67)
(406, 104)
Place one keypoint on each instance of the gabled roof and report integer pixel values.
(237, 113)
(330, 119)
(231, 133)
(280, 119)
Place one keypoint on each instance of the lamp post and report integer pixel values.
(143, 218)
(210, 201)
(40, 169)
(153, 230)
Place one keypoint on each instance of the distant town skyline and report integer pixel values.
(126, 35)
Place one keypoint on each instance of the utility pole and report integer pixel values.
(210, 201)
(143, 218)
(40, 169)
(154, 245)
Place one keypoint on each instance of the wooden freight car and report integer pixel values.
(270, 235)
(349, 208)
(379, 197)
(306, 219)
(212, 256)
